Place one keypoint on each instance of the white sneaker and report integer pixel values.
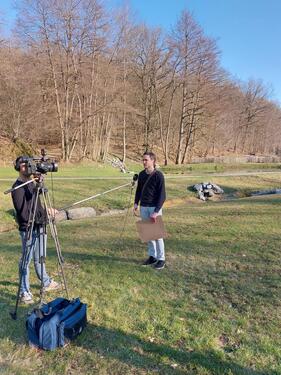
(26, 298)
(52, 286)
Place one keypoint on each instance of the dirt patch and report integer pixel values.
(178, 201)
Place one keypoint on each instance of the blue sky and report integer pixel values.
(248, 32)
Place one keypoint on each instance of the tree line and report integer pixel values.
(95, 81)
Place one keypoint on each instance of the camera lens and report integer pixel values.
(55, 167)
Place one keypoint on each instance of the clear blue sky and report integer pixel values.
(248, 32)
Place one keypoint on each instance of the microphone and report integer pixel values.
(135, 179)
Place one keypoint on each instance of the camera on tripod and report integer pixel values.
(37, 165)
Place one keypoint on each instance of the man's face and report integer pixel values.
(23, 170)
(148, 163)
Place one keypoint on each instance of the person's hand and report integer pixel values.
(38, 177)
(135, 210)
(52, 212)
(154, 216)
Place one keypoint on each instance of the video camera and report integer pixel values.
(37, 165)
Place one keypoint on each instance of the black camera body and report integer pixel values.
(35, 165)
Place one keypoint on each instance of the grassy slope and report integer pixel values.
(214, 310)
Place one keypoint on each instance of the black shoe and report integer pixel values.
(149, 261)
(159, 265)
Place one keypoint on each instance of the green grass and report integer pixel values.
(105, 170)
(218, 167)
(215, 309)
(70, 170)
(67, 191)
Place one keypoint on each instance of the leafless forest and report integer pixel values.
(91, 81)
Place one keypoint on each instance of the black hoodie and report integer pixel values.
(153, 193)
(22, 199)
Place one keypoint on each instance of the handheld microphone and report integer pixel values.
(135, 179)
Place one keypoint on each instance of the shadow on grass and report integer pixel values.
(153, 357)
(271, 200)
(11, 212)
(129, 348)
(8, 283)
(12, 329)
(109, 259)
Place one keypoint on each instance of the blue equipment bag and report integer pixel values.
(55, 323)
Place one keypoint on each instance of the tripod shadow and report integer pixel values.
(8, 283)
(11, 213)
(102, 250)
(84, 257)
(145, 355)
(12, 329)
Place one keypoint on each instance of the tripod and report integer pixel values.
(36, 231)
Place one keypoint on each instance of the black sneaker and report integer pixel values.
(149, 261)
(159, 265)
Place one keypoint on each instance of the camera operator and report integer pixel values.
(151, 194)
(22, 200)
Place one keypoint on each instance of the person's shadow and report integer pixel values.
(129, 349)
(145, 355)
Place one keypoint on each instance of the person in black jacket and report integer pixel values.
(151, 195)
(36, 245)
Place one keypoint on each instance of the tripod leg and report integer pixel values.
(54, 234)
(41, 237)
(27, 247)
(14, 313)
(59, 254)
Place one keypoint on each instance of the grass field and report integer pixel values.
(215, 309)
(97, 169)
(70, 184)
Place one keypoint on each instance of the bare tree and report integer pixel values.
(126, 33)
(149, 70)
(97, 84)
(60, 30)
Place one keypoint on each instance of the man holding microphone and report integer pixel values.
(151, 195)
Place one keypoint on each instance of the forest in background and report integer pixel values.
(89, 80)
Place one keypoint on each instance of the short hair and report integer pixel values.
(151, 155)
(19, 160)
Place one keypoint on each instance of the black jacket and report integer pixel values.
(22, 199)
(152, 194)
